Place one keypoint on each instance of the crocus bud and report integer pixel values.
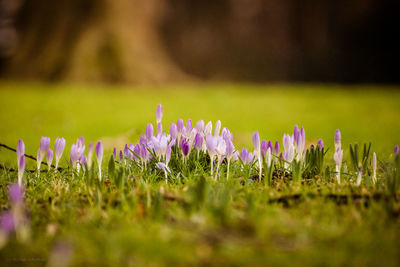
(198, 141)
(185, 148)
(256, 141)
(200, 126)
(230, 148)
(320, 143)
(159, 113)
(396, 150)
(211, 143)
(244, 155)
(115, 153)
(21, 169)
(149, 131)
(20, 149)
(296, 134)
(121, 156)
(269, 146)
(217, 128)
(179, 126)
(59, 147)
(49, 157)
(188, 126)
(276, 148)
(74, 155)
(16, 193)
(173, 131)
(208, 128)
(44, 146)
(337, 139)
(264, 147)
(159, 128)
(84, 162)
(99, 156)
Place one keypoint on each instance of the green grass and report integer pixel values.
(235, 222)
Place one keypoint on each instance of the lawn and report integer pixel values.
(135, 219)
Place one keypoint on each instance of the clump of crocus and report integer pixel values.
(59, 147)
(44, 146)
(373, 168)
(49, 157)
(99, 156)
(338, 155)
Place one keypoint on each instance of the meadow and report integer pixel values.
(132, 217)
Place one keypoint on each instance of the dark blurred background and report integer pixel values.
(156, 41)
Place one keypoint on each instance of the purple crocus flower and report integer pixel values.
(149, 131)
(188, 126)
(44, 146)
(217, 128)
(159, 113)
(296, 134)
(200, 126)
(21, 169)
(269, 146)
(115, 153)
(211, 144)
(396, 150)
(180, 125)
(59, 147)
(159, 128)
(256, 141)
(337, 139)
(244, 155)
(49, 157)
(198, 141)
(276, 148)
(74, 155)
(121, 156)
(257, 152)
(126, 151)
(320, 143)
(16, 193)
(264, 147)
(20, 149)
(185, 148)
(99, 156)
(84, 162)
(7, 223)
(173, 131)
(208, 128)
(338, 157)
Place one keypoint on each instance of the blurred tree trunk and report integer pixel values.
(94, 40)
